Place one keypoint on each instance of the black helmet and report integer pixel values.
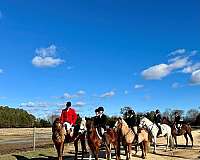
(101, 109)
(96, 110)
(157, 111)
(131, 111)
(68, 104)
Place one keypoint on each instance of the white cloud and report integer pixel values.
(178, 62)
(46, 62)
(191, 68)
(137, 86)
(81, 92)
(175, 85)
(35, 104)
(69, 96)
(78, 94)
(107, 94)
(46, 57)
(178, 51)
(1, 71)
(80, 104)
(46, 52)
(156, 72)
(195, 77)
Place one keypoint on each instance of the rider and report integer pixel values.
(177, 120)
(96, 117)
(68, 118)
(157, 120)
(132, 120)
(101, 122)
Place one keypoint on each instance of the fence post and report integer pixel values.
(34, 138)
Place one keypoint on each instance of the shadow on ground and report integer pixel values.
(18, 157)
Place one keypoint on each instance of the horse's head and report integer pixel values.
(57, 126)
(82, 126)
(145, 122)
(118, 124)
(86, 125)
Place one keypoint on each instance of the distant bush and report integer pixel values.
(19, 118)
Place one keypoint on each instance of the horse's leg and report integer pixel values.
(167, 143)
(145, 148)
(117, 150)
(61, 150)
(175, 139)
(142, 148)
(83, 147)
(130, 150)
(171, 142)
(76, 148)
(107, 151)
(186, 138)
(154, 143)
(125, 149)
(191, 138)
(58, 149)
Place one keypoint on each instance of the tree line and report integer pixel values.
(19, 118)
(192, 116)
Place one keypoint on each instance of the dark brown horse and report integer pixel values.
(185, 129)
(60, 136)
(95, 141)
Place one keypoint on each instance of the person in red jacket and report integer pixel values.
(68, 118)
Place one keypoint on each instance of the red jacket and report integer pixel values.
(68, 115)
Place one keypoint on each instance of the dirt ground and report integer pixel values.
(49, 153)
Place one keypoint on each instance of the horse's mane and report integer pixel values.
(124, 122)
(146, 119)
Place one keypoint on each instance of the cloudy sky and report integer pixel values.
(144, 54)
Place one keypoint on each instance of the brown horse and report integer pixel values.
(60, 136)
(128, 138)
(95, 141)
(185, 129)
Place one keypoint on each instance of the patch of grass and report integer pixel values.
(42, 154)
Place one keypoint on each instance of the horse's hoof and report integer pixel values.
(154, 152)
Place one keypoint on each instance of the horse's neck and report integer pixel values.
(125, 129)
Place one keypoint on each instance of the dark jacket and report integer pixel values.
(101, 121)
(132, 121)
(157, 118)
(177, 119)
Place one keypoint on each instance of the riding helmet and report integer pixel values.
(68, 104)
(101, 109)
(157, 111)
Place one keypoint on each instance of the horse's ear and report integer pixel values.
(86, 118)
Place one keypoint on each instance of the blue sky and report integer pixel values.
(144, 54)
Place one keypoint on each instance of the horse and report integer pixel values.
(58, 137)
(61, 136)
(129, 137)
(95, 141)
(185, 129)
(153, 130)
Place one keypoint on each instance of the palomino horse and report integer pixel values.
(185, 129)
(60, 136)
(128, 138)
(153, 130)
(94, 140)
